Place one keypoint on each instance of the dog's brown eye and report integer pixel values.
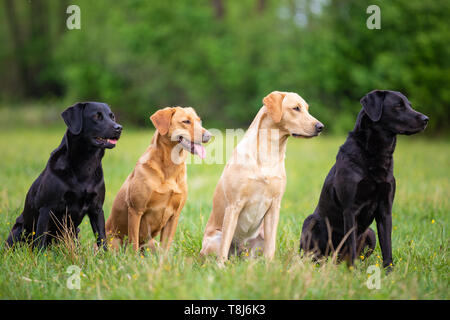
(187, 121)
(98, 116)
(297, 108)
(111, 115)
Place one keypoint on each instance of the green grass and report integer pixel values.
(420, 239)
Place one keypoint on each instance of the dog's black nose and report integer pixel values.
(118, 128)
(319, 127)
(424, 119)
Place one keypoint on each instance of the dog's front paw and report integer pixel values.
(220, 264)
(388, 267)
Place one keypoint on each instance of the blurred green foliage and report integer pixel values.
(222, 57)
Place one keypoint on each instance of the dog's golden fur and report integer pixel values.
(247, 198)
(150, 200)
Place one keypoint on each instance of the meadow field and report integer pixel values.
(420, 238)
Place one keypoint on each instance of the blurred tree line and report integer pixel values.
(222, 57)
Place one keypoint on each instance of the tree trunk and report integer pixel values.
(38, 46)
(17, 45)
(219, 9)
(261, 5)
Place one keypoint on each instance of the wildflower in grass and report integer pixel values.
(142, 257)
(33, 233)
(361, 257)
(148, 249)
(432, 221)
(134, 276)
(377, 264)
(395, 227)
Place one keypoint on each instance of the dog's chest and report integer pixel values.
(164, 202)
(259, 194)
(252, 215)
(79, 200)
(370, 189)
(160, 201)
(370, 195)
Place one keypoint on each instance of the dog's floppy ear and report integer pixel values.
(73, 117)
(273, 104)
(372, 104)
(161, 119)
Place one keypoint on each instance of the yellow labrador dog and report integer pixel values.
(247, 198)
(151, 198)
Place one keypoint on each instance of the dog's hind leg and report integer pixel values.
(255, 246)
(114, 242)
(367, 242)
(21, 229)
(309, 242)
(15, 234)
(211, 243)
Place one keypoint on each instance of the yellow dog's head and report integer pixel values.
(291, 113)
(184, 126)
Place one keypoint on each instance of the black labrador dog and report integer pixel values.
(360, 187)
(72, 182)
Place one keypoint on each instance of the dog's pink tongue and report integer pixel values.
(199, 150)
(112, 141)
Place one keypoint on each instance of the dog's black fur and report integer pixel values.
(72, 182)
(360, 187)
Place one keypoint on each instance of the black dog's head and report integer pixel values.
(392, 111)
(93, 121)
